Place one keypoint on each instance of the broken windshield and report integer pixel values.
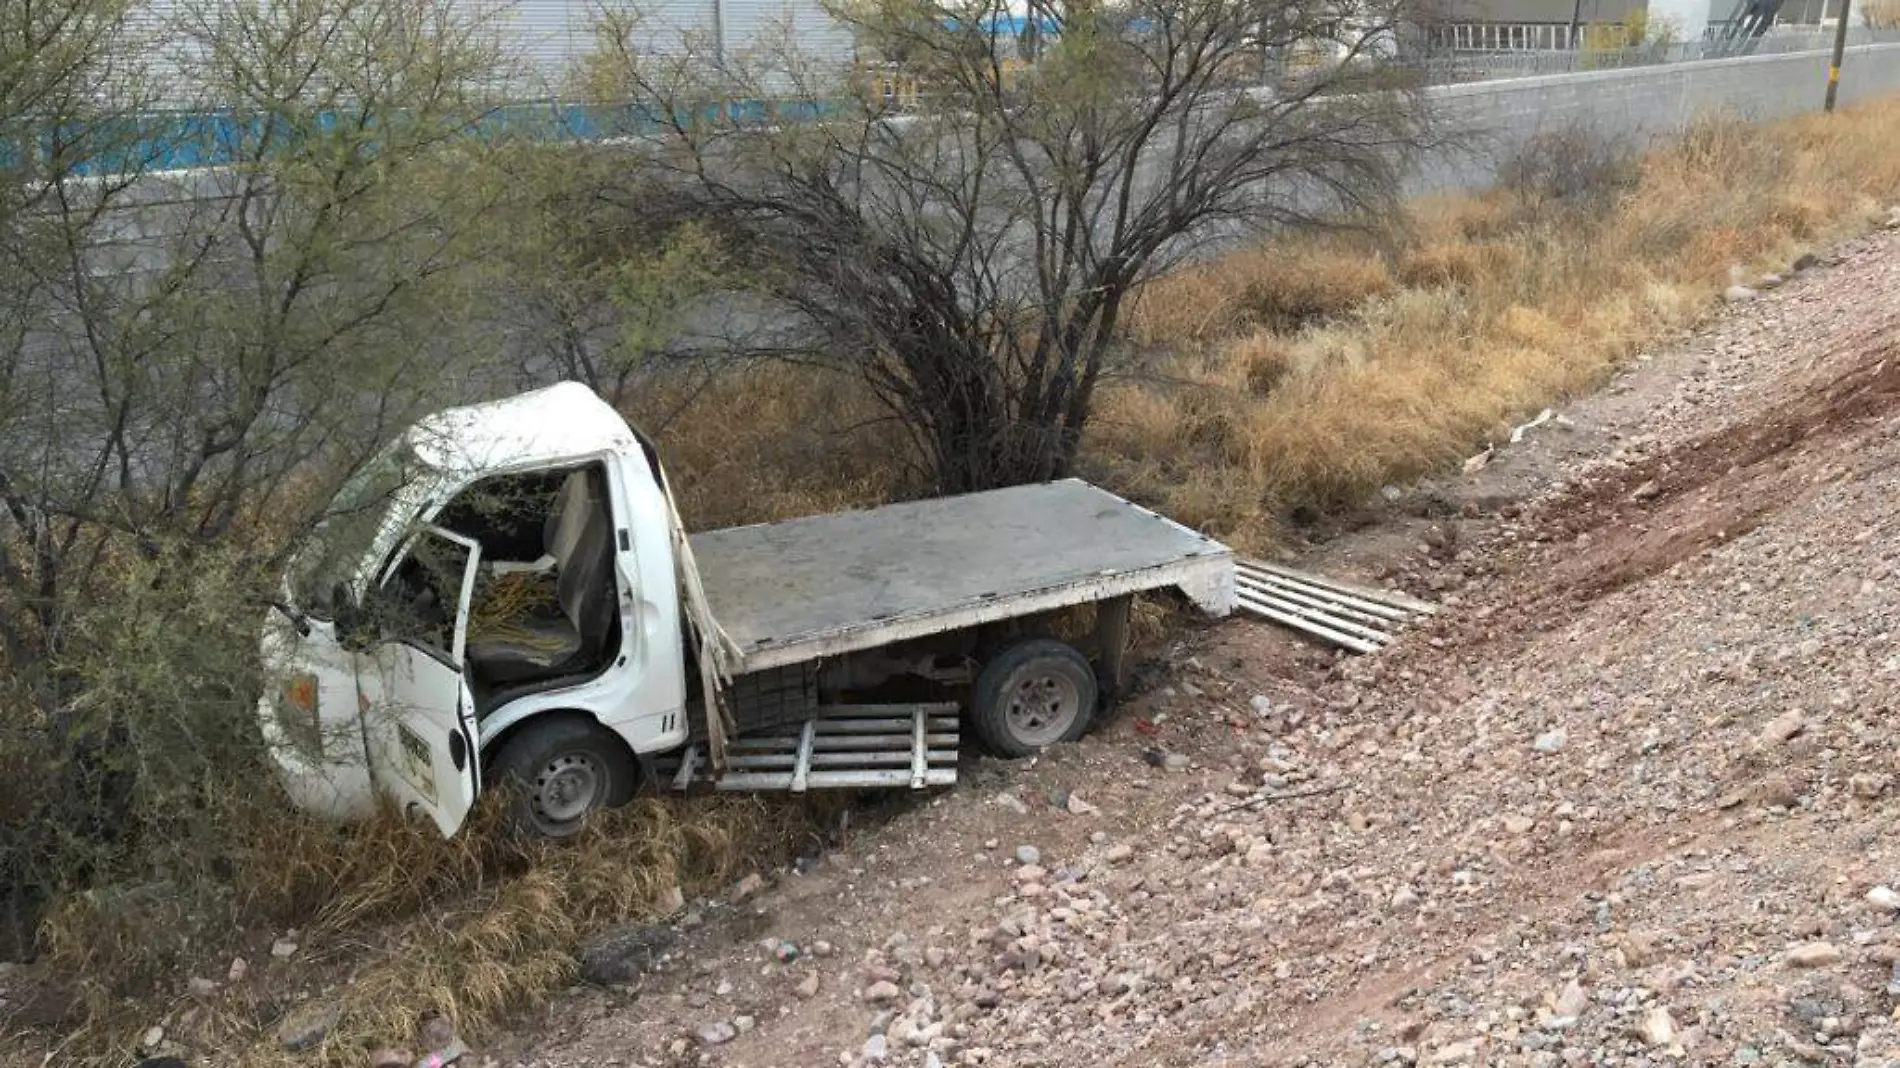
(338, 543)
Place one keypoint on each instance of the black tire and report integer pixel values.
(1032, 695)
(561, 771)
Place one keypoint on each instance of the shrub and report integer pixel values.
(1569, 170)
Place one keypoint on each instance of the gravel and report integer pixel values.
(1628, 801)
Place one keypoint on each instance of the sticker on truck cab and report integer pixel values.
(416, 765)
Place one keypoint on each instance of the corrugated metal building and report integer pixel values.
(552, 35)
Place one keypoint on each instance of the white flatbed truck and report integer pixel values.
(508, 594)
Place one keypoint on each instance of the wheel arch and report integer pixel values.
(513, 727)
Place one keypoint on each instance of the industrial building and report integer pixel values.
(1545, 25)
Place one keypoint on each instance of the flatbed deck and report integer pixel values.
(822, 586)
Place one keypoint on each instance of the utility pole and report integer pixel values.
(1840, 49)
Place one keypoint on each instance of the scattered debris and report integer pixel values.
(1518, 432)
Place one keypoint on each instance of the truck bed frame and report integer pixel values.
(824, 586)
(792, 595)
(851, 747)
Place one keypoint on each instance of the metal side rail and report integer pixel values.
(843, 747)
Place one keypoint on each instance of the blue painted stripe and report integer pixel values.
(183, 140)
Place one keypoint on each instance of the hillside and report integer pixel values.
(1628, 801)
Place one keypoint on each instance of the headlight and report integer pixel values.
(297, 715)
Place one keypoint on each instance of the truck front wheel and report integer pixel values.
(1032, 695)
(560, 772)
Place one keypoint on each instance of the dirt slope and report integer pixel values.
(1624, 803)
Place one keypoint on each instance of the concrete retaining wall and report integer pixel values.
(1640, 104)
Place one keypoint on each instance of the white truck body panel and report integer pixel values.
(826, 585)
(748, 599)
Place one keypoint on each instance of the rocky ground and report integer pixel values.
(1627, 801)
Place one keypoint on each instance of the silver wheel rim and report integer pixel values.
(566, 789)
(1042, 707)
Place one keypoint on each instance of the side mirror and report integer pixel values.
(353, 628)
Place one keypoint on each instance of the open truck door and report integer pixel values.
(419, 715)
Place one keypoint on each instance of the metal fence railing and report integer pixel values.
(1457, 64)
(189, 139)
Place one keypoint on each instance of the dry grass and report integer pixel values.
(769, 442)
(397, 922)
(1298, 376)
(1484, 309)
(1284, 286)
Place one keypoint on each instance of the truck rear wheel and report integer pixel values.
(1032, 695)
(561, 772)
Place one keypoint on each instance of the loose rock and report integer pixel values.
(1780, 729)
(622, 954)
(1551, 741)
(1572, 1001)
(1657, 1028)
(1814, 955)
(306, 1027)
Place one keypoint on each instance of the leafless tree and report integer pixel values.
(190, 359)
(969, 253)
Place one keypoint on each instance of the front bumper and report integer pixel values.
(337, 787)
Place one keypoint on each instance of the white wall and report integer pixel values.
(1688, 19)
(1639, 104)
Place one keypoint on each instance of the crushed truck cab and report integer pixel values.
(506, 593)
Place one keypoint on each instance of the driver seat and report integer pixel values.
(578, 534)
